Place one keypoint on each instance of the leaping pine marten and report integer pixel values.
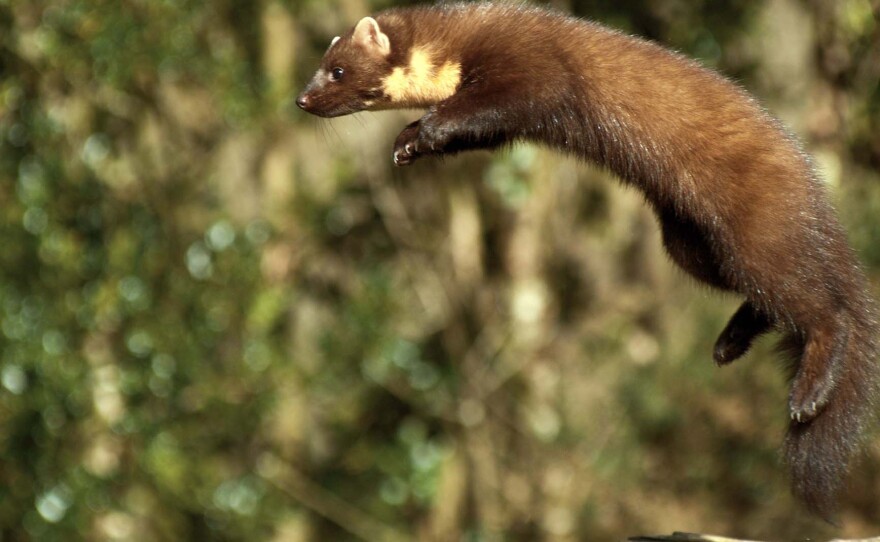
(739, 204)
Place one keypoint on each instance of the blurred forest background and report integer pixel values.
(223, 319)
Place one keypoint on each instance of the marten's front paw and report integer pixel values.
(421, 137)
(405, 147)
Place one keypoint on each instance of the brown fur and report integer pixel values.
(739, 204)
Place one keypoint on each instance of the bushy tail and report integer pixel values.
(819, 453)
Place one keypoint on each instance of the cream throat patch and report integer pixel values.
(422, 82)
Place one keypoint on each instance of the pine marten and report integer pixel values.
(739, 203)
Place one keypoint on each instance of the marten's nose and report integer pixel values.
(302, 101)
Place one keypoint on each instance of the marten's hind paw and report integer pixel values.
(736, 339)
(820, 363)
(728, 349)
(808, 397)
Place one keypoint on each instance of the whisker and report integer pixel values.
(332, 127)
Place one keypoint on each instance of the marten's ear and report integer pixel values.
(368, 34)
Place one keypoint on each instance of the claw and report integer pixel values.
(402, 158)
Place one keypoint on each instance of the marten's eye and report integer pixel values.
(336, 74)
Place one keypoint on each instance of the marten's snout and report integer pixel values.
(328, 101)
(303, 101)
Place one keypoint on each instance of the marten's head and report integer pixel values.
(351, 73)
(366, 70)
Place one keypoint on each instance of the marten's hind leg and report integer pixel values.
(744, 327)
(688, 247)
(820, 363)
(810, 295)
